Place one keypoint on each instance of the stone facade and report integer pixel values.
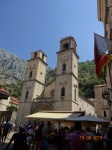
(4, 103)
(105, 16)
(62, 94)
(101, 103)
(34, 83)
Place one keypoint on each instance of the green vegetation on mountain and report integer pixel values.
(88, 79)
(14, 89)
(12, 108)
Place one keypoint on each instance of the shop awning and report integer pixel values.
(89, 119)
(55, 115)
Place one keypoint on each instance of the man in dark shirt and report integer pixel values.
(19, 140)
(6, 129)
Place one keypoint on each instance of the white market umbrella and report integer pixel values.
(54, 115)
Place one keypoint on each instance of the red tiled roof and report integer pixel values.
(14, 101)
(4, 90)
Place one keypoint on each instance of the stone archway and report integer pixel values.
(42, 107)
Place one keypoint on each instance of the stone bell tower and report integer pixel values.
(33, 85)
(66, 85)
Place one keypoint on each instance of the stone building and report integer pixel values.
(5, 102)
(63, 93)
(105, 16)
(102, 105)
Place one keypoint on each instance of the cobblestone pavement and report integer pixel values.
(2, 146)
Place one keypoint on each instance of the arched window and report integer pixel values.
(74, 94)
(26, 96)
(30, 75)
(35, 55)
(64, 67)
(62, 91)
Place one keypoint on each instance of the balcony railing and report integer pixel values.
(43, 100)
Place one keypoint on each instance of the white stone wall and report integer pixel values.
(64, 57)
(74, 65)
(34, 84)
(74, 106)
(34, 90)
(101, 104)
(38, 73)
(49, 89)
(63, 105)
(75, 91)
(14, 115)
(4, 104)
(24, 110)
(31, 66)
(63, 81)
(41, 72)
(85, 106)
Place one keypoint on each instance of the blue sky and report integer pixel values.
(30, 25)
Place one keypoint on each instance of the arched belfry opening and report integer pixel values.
(64, 67)
(65, 46)
(62, 91)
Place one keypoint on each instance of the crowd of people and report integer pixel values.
(39, 135)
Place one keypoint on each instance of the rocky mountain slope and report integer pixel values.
(12, 68)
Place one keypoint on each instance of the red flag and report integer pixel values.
(101, 45)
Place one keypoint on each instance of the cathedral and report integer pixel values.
(63, 93)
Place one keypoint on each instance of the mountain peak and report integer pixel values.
(12, 68)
